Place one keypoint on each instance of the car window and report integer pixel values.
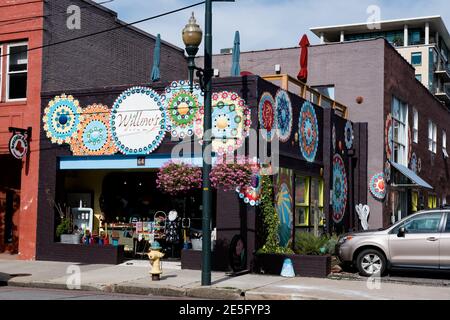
(425, 223)
(447, 225)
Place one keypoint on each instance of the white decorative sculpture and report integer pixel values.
(363, 213)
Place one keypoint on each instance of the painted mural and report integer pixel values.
(267, 115)
(284, 205)
(340, 189)
(284, 115)
(308, 132)
(377, 186)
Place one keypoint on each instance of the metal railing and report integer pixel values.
(306, 92)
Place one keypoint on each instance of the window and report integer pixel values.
(447, 225)
(301, 201)
(17, 72)
(444, 140)
(419, 77)
(432, 201)
(415, 126)
(326, 91)
(416, 37)
(317, 198)
(432, 137)
(399, 132)
(425, 223)
(414, 201)
(416, 58)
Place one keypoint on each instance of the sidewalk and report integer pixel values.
(134, 279)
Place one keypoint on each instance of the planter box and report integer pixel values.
(70, 238)
(304, 266)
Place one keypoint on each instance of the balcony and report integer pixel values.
(443, 95)
(443, 71)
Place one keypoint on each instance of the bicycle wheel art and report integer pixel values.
(377, 186)
(340, 189)
(138, 121)
(284, 209)
(251, 194)
(309, 132)
(231, 121)
(182, 108)
(267, 115)
(94, 137)
(348, 133)
(62, 119)
(388, 136)
(283, 115)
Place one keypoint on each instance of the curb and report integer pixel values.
(277, 296)
(405, 281)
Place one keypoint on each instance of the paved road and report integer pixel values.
(16, 293)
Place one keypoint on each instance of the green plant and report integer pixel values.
(330, 246)
(271, 220)
(63, 227)
(308, 244)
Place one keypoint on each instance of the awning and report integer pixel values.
(411, 175)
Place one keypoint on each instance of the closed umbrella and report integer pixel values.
(235, 67)
(304, 44)
(156, 59)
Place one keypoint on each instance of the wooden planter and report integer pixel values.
(304, 266)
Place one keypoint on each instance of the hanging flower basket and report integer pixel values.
(230, 176)
(177, 178)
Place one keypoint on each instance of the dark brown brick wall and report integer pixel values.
(122, 56)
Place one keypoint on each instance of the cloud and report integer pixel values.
(267, 24)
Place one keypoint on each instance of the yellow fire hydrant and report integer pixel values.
(155, 256)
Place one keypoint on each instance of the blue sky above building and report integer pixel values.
(267, 24)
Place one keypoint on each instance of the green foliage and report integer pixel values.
(308, 244)
(271, 220)
(63, 227)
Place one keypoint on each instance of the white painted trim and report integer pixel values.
(7, 73)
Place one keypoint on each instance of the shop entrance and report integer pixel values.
(9, 204)
(128, 209)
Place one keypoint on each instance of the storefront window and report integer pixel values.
(301, 201)
(414, 201)
(432, 202)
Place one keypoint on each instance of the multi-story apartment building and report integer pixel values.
(37, 54)
(424, 42)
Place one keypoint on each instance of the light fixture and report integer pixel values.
(192, 37)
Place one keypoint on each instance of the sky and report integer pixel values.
(268, 24)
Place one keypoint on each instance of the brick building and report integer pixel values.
(375, 81)
(117, 57)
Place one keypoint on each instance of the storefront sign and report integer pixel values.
(18, 146)
(138, 121)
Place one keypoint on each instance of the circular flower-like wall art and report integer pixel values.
(138, 121)
(62, 119)
(388, 136)
(267, 115)
(284, 209)
(182, 107)
(309, 132)
(348, 133)
(251, 194)
(387, 171)
(283, 115)
(413, 163)
(378, 186)
(231, 121)
(94, 136)
(340, 189)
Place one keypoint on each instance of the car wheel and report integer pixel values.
(371, 262)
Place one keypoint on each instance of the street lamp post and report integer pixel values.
(192, 35)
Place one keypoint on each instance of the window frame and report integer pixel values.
(444, 140)
(402, 141)
(304, 205)
(417, 53)
(432, 137)
(415, 125)
(7, 72)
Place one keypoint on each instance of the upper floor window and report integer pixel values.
(415, 126)
(17, 71)
(432, 137)
(416, 58)
(444, 144)
(400, 133)
(419, 77)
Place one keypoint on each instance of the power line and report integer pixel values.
(107, 30)
(25, 19)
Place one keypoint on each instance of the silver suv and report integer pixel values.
(420, 241)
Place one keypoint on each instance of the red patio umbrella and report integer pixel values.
(304, 44)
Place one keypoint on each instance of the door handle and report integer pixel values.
(432, 239)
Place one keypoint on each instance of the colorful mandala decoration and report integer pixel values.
(388, 136)
(231, 121)
(333, 138)
(283, 115)
(138, 121)
(377, 186)
(62, 119)
(348, 133)
(387, 171)
(419, 165)
(182, 107)
(251, 194)
(267, 115)
(413, 163)
(284, 209)
(94, 136)
(340, 189)
(309, 132)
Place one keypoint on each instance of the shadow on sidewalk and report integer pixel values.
(5, 277)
